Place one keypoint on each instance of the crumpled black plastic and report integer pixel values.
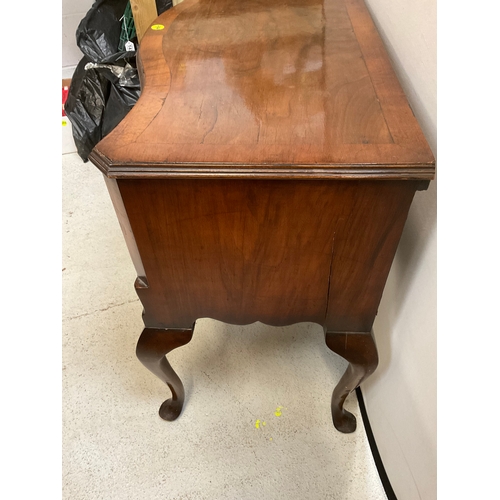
(105, 85)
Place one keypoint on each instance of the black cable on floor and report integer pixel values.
(373, 446)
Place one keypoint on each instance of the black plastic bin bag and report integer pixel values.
(105, 85)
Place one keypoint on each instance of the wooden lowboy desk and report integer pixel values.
(265, 174)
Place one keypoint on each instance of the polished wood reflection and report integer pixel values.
(265, 174)
(288, 83)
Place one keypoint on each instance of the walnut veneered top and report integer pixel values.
(267, 89)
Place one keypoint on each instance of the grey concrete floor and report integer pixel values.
(115, 446)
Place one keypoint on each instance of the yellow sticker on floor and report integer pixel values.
(258, 423)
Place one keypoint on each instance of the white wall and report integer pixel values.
(401, 395)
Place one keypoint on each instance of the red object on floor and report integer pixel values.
(65, 92)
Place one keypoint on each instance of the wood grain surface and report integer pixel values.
(144, 12)
(279, 252)
(265, 174)
(267, 89)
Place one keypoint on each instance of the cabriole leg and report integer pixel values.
(152, 347)
(360, 351)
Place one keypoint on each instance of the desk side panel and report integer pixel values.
(363, 250)
(236, 251)
(279, 252)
